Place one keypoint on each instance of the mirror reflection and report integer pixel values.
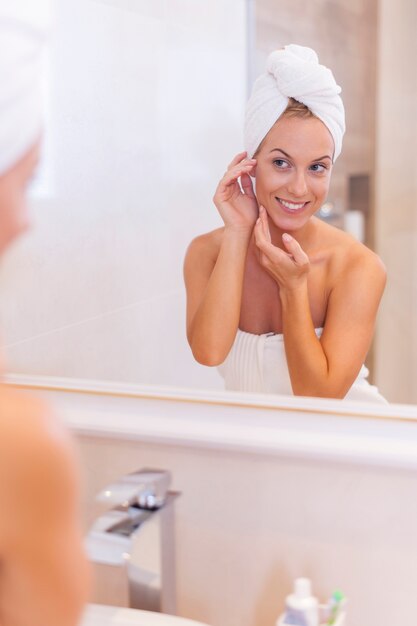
(282, 302)
(143, 117)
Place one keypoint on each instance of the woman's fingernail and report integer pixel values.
(286, 237)
(261, 208)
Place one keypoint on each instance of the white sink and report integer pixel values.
(99, 615)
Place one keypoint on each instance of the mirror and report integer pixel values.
(145, 106)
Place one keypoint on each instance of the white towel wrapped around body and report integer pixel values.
(293, 72)
(23, 29)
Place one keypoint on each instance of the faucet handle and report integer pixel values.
(144, 489)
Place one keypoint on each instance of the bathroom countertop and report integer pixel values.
(99, 615)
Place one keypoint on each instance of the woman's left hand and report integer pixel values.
(289, 269)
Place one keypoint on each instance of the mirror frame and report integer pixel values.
(240, 422)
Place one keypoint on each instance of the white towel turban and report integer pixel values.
(22, 34)
(293, 72)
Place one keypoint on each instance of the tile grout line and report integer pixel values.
(91, 319)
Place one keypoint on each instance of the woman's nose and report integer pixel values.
(297, 186)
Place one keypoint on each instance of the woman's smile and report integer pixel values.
(292, 207)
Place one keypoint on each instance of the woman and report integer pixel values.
(43, 571)
(283, 302)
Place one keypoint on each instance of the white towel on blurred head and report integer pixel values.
(23, 29)
(293, 72)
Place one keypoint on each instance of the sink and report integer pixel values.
(99, 615)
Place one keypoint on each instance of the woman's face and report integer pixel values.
(14, 218)
(293, 170)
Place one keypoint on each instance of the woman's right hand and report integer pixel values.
(238, 209)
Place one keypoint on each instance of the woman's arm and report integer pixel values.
(214, 295)
(214, 271)
(325, 367)
(329, 366)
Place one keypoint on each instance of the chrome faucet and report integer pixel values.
(132, 544)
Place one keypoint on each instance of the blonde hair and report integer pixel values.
(297, 109)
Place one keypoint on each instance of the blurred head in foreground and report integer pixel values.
(23, 29)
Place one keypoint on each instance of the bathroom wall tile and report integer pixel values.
(146, 113)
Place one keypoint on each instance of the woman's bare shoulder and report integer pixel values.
(349, 256)
(206, 246)
(346, 252)
(28, 424)
(16, 405)
(37, 461)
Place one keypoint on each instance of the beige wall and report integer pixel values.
(145, 113)
(247, 525)
(396, 199)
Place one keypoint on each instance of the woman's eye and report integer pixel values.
(280, 163)
(318, 167)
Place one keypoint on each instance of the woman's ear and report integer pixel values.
(253, 171)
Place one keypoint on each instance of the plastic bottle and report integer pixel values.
(302, 608)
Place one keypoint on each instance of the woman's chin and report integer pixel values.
(288, 223)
